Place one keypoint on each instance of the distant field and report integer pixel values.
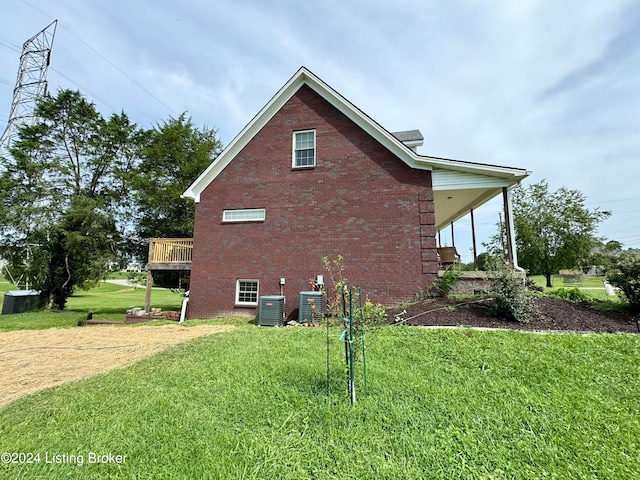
(107, 301)
(591, 286)
(587, 282)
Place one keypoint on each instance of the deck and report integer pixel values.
(167, 254)
(170, 253)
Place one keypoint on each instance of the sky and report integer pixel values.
(553, 87)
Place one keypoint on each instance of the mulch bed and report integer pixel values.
(554, 315)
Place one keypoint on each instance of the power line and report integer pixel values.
(612, 201)
(84, 89)
(121, 71)
(108, 61)
(9, 45)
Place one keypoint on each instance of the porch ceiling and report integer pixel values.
(451, 205)
(457, 190)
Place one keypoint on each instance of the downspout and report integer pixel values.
(183, 310)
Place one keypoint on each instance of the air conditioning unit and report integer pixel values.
(20, 301)
(311, 309)
(271, 310)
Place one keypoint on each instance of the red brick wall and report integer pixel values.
(359, 201)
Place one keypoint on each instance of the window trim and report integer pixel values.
(243, 303)
(294, 150)
(231, 212)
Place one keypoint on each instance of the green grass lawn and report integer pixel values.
(593, 287)
(107, 301)
(587, 282)
(442, 404)
(111, 301)
(5, 285)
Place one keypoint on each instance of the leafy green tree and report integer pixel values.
(175, 154)
(604, 253)
(623, 272)
(63, 194)
(554, 230)
(488, 261)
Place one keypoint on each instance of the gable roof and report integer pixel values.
(505, 176)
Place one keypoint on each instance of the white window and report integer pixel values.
(244, 215)
(247, 292)
(304, 148)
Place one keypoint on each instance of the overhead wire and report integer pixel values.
(84, 89)
(106, 60)
(9, 45)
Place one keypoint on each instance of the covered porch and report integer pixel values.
(458, 193)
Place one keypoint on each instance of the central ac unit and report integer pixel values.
(271, 310)
(310, 307)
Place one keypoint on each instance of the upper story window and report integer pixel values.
(304, 148)
(244, 215)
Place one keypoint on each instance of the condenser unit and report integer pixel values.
(271, 310)
(310, 307)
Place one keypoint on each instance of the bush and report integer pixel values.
(511, 299)
(531, 285)
(574, 295)
(443, 285)
(624, 273)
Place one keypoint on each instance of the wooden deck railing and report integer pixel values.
(170, 250)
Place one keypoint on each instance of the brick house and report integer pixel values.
(312, 176)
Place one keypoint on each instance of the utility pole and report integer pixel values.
(31, 83)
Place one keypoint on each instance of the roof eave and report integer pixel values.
(391, 143)
(302, 77)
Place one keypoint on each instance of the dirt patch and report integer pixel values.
(31, 360)
(554, 315)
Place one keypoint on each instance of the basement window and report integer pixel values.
(304, 148)
(244, 215)
(247, 292)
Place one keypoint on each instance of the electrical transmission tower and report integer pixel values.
(31, 83)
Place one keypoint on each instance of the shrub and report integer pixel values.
(511, 299)
(574, 294)
(443, 285)
(531, 285)
(624, 273)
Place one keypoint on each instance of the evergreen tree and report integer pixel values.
(63, 196)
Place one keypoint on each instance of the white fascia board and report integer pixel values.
(302, 77)
(391, 143)
(357, 116)
(241, 140)
(514, 175)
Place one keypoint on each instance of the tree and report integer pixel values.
(488, 261)
(554, 230)
(63, 194)
(623, 272)
(175, 154)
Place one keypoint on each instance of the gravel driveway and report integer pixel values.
(31, 360)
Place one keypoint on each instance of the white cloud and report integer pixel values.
(546, 85)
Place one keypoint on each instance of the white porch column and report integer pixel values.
(511, 231)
